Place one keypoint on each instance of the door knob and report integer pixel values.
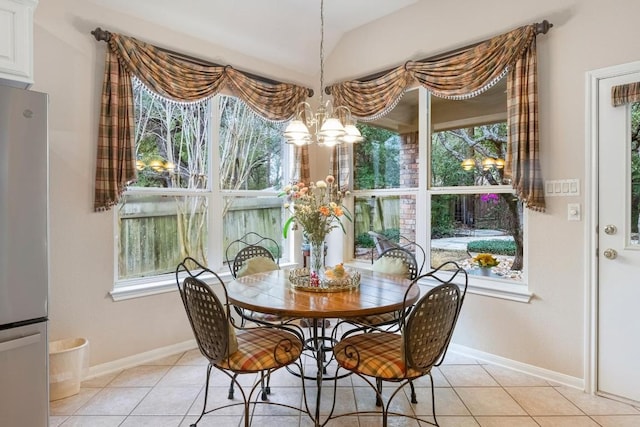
(610, 229)
(610, 253)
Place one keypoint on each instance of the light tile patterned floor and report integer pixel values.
(169, 393)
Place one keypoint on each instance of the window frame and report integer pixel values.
(124, 289)
(500, 288)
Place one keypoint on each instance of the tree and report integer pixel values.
(451, 147)
(172, 147)
(376, 161)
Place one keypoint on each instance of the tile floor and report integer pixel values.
(169, 393)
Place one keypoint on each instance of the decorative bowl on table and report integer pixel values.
(335, 279)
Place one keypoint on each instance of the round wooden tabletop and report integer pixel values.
(272, 293)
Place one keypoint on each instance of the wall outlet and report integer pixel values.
(573, 212)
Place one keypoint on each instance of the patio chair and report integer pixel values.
(422, 343)
(383, 244)
(233, 351)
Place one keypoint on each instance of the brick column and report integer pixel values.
(408, 178)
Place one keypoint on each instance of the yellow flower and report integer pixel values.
(485, 260)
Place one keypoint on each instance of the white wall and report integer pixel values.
(69, 65)
(587, 34)
(547, 333)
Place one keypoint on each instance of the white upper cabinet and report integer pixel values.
(16, 42)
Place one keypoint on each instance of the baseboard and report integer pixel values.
(142, 358)
(139, 359)
(545, 374)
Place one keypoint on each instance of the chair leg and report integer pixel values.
(379, 394)
(267, 389)
(414, 398)
(433, 401)
(263, 388)
(230, 396)
(206, 395)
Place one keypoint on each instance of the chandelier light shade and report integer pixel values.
(326, 125)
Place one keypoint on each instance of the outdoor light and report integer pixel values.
(488, 163)
(468, 164)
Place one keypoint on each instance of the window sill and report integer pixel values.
(148, 286)
(512, 291)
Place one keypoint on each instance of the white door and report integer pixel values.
(618, 325)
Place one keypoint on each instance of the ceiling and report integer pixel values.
(285, 32)
(488, 107)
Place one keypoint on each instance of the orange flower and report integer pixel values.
(324, 210)
(337, 211)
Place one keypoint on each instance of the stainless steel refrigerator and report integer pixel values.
(24, 271)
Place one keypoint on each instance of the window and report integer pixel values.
(208, 172)
(463, 196)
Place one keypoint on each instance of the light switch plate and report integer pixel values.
(562, 187)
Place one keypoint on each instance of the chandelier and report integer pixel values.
(325, 123)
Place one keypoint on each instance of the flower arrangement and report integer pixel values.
(485, 260)
(317, 208)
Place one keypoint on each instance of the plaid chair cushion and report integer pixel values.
(377, 319)
(263, 348)
(376, 355)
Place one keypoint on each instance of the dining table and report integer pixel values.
(274, 292)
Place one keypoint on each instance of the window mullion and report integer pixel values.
(215, 199)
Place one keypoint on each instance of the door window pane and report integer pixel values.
(635, 174)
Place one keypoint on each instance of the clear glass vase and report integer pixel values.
(316, 259)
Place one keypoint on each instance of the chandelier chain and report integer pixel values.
(321, 51)
(326, 122)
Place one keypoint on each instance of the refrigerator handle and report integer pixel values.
(19, 342)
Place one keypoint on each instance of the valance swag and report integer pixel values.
(625, 94)
(464, 74)
(176, 79)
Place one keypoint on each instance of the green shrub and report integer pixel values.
(442, 232)
(363, 240)
(493, 246)
(392, 234)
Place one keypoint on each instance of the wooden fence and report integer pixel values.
(150, 239)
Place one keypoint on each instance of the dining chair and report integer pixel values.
(398, 261)
(253, 253)
(233, 351)
(250, 245)
(422, 342)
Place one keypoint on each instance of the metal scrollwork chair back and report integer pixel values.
(251, 245)
(232, 350)
(426, 331)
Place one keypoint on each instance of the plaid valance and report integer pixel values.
(625, 94)
(464, 74)
(175, 79)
